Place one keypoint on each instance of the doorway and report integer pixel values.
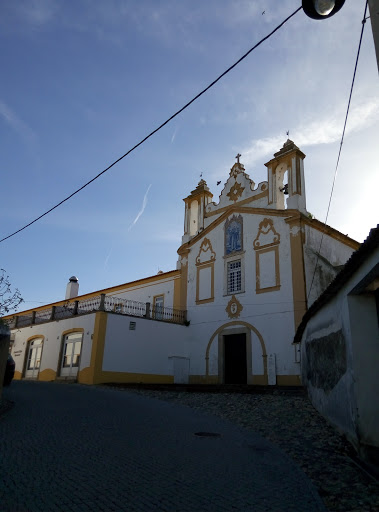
(158, 307)
(33, 361)
(235, 369)
(72, 347)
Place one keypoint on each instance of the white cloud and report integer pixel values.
(107, 258)
(167, 22)
(144, 203)
(16, 123)
(174, 135)
(37, 12)
(322, 131)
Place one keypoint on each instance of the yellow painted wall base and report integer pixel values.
(85, 376)
(288, 380)
(134, 378)
(259, 380)
(203, 379)
(256, 380)
(47, 375)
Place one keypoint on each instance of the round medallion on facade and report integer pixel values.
(234, 307)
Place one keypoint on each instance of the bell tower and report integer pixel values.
(287, 163)
(195, 205)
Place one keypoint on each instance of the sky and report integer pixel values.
(83, 81)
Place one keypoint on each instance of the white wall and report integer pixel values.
(146, 349)
(330, 382)
(364, 328)
(146, 292)
(262, 202)
(52, 333)
(267, 269)
(333, 254)
(270, 313)
(205, 283)
(340, 361)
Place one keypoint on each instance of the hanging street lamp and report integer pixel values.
(322, 9)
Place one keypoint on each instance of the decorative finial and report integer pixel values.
(238, 158)
(201, 175)
(288, 133)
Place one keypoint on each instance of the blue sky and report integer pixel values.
(85, 80)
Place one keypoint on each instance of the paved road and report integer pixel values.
(67, 447)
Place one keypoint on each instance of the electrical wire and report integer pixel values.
(156, 129)
(340, 148)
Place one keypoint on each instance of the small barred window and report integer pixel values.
(234, 277)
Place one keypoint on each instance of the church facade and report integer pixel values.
(228, 314)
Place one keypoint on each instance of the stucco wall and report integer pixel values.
(340, 360)
(144, 350)
(271, 313)
(147, 292)
(326, 362)
(364, 329)
(52, 333)
(333, 254)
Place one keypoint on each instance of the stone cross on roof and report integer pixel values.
(238, 158)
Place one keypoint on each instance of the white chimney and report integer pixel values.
(72, 289)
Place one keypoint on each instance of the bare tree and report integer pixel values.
(9, 299)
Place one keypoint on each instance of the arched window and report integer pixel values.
(194, 217)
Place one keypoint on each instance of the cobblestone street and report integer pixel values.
(295, 426)
(67, 447)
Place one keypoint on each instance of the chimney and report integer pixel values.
(72, 289)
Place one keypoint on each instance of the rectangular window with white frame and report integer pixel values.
(234, 276)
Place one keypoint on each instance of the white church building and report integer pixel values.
(228, 313)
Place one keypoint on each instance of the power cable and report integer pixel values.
(340, 148)
(156, 129)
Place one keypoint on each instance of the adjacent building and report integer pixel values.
(339, 339)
